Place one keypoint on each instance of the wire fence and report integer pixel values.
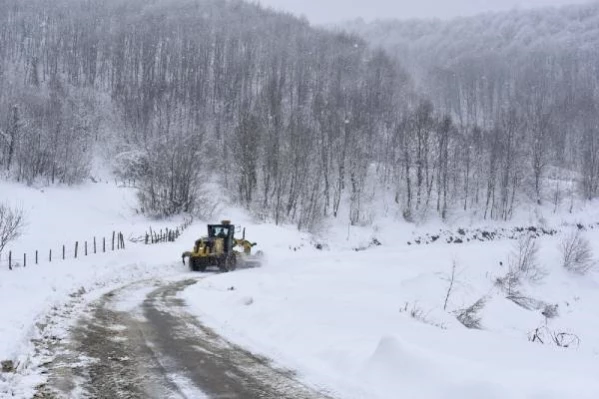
(76, 250)
(162, 235)
(85, 248)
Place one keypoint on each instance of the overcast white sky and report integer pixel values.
(331, 11)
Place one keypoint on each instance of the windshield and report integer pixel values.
(219, 231)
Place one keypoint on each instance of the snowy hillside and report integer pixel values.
(365, 324)
(428, 210)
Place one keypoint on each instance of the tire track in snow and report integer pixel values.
(139, 342)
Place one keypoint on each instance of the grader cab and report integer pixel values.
(221, 249)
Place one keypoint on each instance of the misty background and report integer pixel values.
(334, 11)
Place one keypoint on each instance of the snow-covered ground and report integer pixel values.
(341, 317)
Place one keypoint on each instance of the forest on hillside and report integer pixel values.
(522, 86)
(298, 123)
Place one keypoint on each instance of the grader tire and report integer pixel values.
(202, 264)
(228, 264)
(194, 264)
(198, 264)
(232, 262)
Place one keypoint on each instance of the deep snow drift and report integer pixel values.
(341, 317)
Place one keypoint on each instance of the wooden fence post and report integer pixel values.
(63, 252)
(25, 260)
(147, 238)
(113, 240)
(94, 245)
(36, 256)
(122, 241)
(9, 260)
(50, 257)
(86, 248)
(103, 244)
(76, 248)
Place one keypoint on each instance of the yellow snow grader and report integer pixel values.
(221, 249)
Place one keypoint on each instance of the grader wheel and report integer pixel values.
(197, 264)
(229, 263)
(193, 264)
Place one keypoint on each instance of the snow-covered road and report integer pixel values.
(139, 342)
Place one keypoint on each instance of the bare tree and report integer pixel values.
(451, 281)
(12, 222)
(299, 138)
(577, 255)
(524, 259)
(510, 281)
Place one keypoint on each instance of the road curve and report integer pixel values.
(158, 350)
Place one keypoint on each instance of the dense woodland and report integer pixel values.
(522, 89)
(300, 124)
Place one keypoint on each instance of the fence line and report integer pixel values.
(162, 235)
(10, 259)
(115, 243)
(128, 183)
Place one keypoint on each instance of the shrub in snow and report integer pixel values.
(7, 366)
(550, 311)
(373, 243)
(169, 175)
(527, 303)
(417, 313)
(524, 259)
(523, 263)
(470, 316)
(509, 282)
(577, 256)
(544, 335)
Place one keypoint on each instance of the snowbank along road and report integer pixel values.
(139, 342)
